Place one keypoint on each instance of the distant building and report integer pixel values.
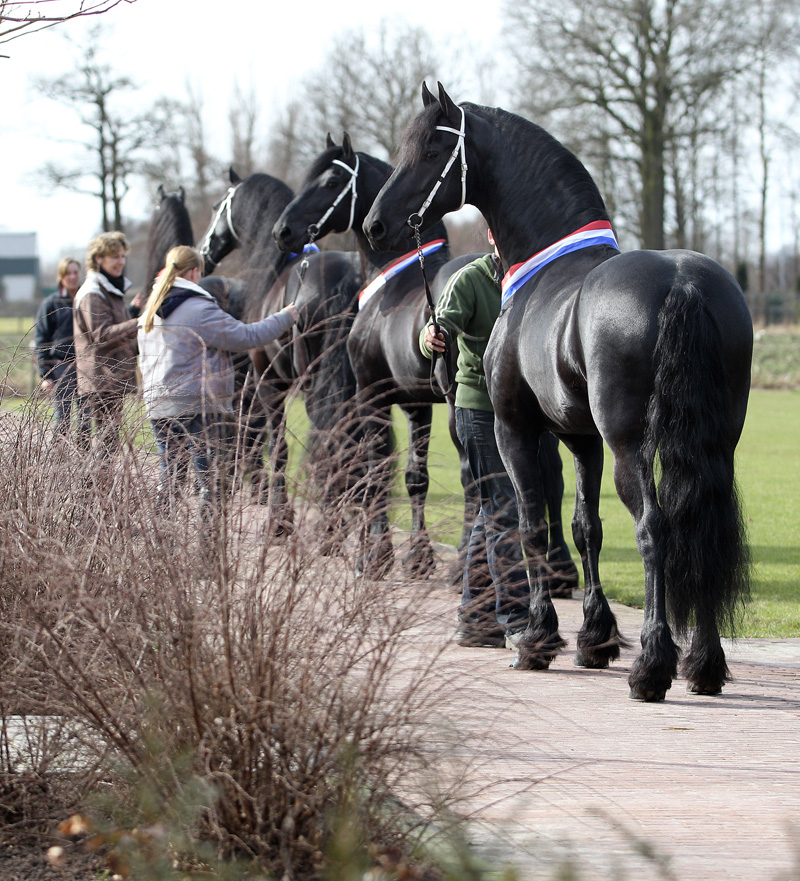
(19, 267)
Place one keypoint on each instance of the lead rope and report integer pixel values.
(434, 384)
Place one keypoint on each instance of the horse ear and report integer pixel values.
(449, 106)
(234, 178)
(427, 96)
(182, 194)
(347, 147)
(161, 194)
(329, 142)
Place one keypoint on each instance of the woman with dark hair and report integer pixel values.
(55, 354)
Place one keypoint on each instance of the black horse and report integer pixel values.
(244, 219)
(339, 188)
(649, 351)
(171, 226)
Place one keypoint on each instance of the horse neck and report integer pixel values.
(373, 175)
(372, 262)
(530, 188)
(255, 231)
(170, 227)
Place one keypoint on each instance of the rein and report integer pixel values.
(415, 222)
(434, 384)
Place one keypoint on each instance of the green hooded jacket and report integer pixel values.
(467, 309)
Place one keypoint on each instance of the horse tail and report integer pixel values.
(690, 438)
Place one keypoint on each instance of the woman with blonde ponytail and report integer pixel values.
(185, 341)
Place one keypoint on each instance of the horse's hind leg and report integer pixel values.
(419, 560)
(599, 639)
(565, 575)
(657, 665)
(704, 666)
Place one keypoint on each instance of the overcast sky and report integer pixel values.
(161, 43)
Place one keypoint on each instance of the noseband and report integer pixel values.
(224, 208)
(314, 228)
(415, 220)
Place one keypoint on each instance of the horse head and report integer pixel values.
(430, 179)
(221, 237)
(327, 202)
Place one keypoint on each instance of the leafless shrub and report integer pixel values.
(215, 659)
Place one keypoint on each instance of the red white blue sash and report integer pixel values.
(394, 269)
(597, 233)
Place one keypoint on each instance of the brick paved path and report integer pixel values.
(575, 770)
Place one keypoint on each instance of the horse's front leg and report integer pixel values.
(657, 665)
(419, 561)
(376, 555)
(281, 515)
(541, 641)
(565, 573)
(599, 639)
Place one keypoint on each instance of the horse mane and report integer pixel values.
(170, 226)
(531, 145)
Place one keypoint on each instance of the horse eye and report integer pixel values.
(431, 154)
(331, 182)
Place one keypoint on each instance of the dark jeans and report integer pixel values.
(497, 524)
(65, 395)
(199, 435)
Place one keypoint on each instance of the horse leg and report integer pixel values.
(599, 639)
(419, 561)
(281, 515)
(705, 666)
(376, 556)
(540, 642)
(657, 665)
(565, 572)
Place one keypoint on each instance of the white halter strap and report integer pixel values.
(460, 148)
(350, 187)
(224, 207)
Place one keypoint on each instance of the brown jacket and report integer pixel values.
(105, 339)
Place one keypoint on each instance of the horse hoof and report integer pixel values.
(582, 660)
(697, 688)
(418, 565)
(523, 660)
(647, 695)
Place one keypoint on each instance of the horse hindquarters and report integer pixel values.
(694, 419)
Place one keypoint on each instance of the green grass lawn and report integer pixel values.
(768, 467)
(768, 473)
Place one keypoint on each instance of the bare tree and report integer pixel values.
(640, 67)
(243, 118)
(369, 85)
(118, 141)
(19, 18)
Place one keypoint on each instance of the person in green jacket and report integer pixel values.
(467, 310)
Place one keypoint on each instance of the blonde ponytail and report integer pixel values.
(180, 262)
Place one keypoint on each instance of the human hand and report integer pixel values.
(293, 311)
(139, 300)
(46, 387)
(433, 340)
